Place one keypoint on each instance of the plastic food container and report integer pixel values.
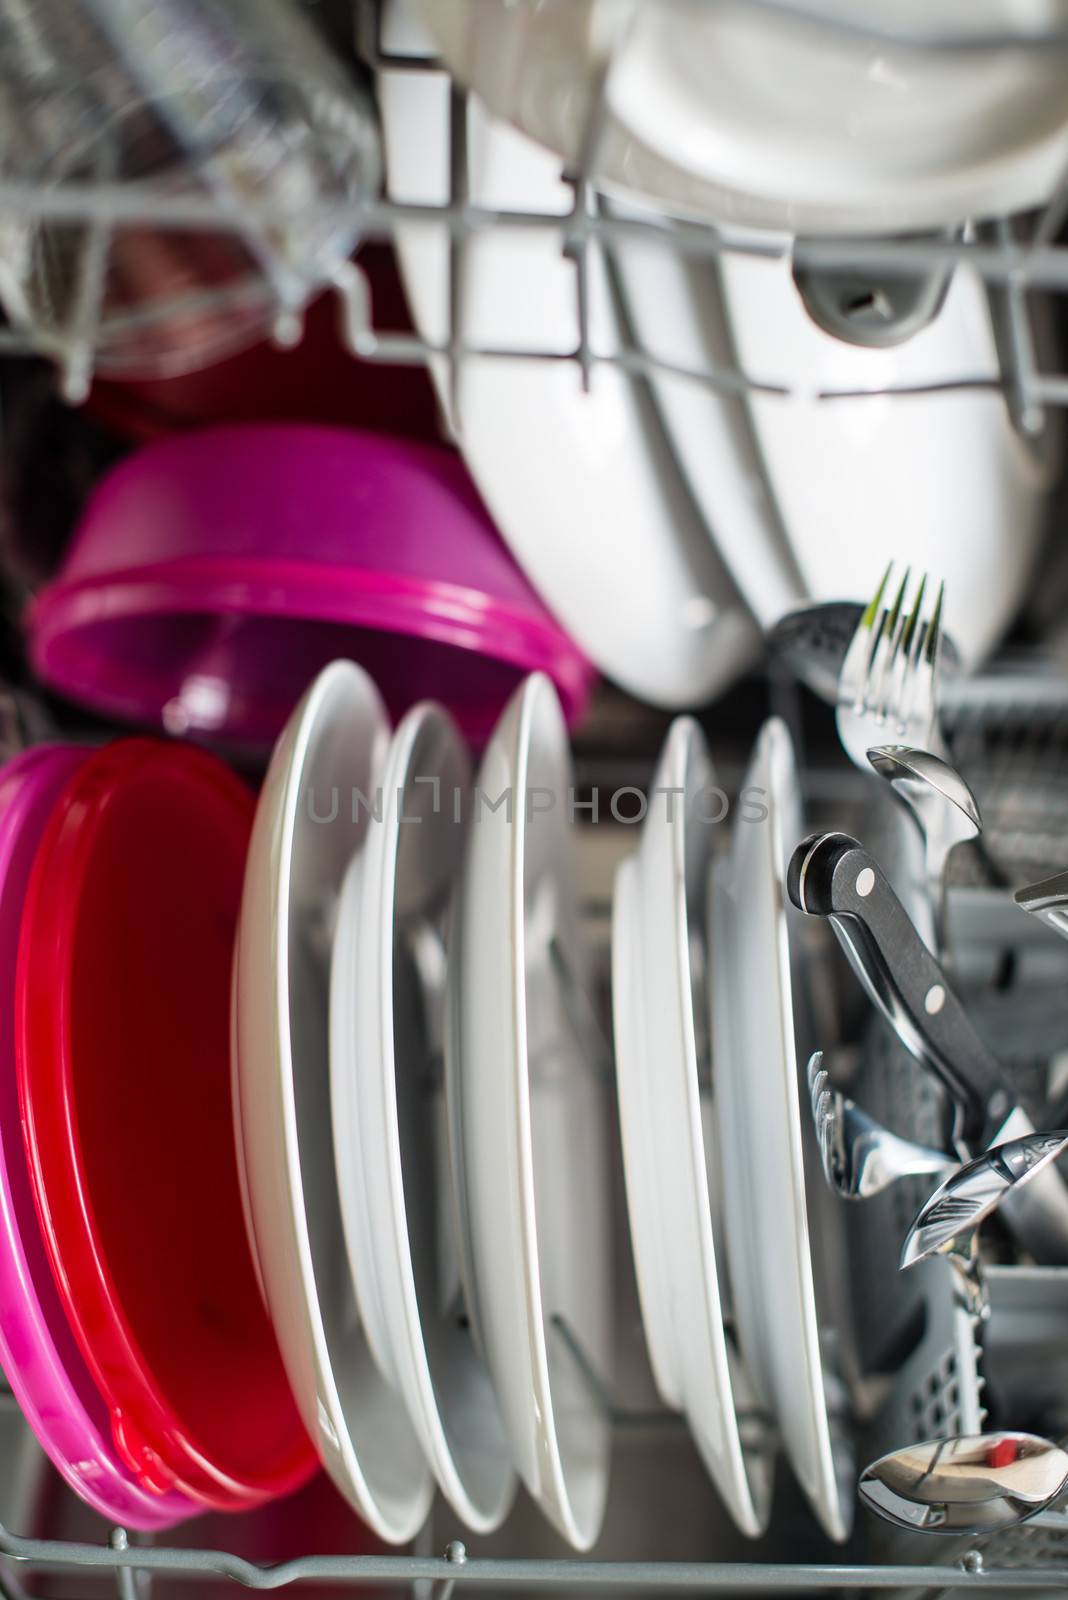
(214, 574)
(122, 1038)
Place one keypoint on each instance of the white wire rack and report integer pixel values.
(1016, 257)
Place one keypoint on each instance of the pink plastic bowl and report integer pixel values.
(44, 1367)
(215, 573)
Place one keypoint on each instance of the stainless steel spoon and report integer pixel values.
(942, 806)
(971, 1484)
(1048, 901)
(948, 1222)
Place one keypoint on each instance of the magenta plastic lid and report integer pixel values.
(215, 573)
(40, 1358)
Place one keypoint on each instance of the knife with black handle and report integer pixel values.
(832, 875)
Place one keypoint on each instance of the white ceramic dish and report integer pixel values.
(676, 305)
(659, 1001)
(304, 837)
(752, 117)
(939, 480)
(755, 1066)
(352, 1184)
(387, 1002)
(583, 486)
(529, 1113)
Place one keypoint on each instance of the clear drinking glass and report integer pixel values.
(234, 107)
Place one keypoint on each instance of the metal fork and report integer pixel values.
(887, 688)
(887, 717)
(860, 1157)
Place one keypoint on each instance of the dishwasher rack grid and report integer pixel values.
(1014, 256)
(454, 1570)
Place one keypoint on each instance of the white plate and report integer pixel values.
(676, 305)
(333, 746)
(760, 119)
(348, 1161)
(583, 486)
(387, 998)
(529, 1113)
(939, 480)
(659, 1001)
(755, 1066)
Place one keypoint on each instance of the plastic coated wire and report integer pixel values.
(457, 1568)
(1010, 262)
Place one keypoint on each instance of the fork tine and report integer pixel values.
(815, 1074)
(925, 688)
(887, 650)
(913, 633)
(919, 701)
(899, 697)
(933, 648)
(822, 1098)
(827, 1142)
(855, 667)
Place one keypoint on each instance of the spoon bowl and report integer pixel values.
(970, 1484)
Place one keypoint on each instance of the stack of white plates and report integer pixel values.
(423, 1119)
(707, 1052)
(424, 1144)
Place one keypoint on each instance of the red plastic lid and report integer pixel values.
(122, 1040)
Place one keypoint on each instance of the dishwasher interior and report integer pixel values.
(913, 1359)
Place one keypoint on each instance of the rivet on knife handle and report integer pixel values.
(832, 875)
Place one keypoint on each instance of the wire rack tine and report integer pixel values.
(584, 206)
(1022, 366)
(582, 1017)
(1054, 215)
(760, 1430)
(149, 203)
(459, 195)
(128, 1580)
(87, 310)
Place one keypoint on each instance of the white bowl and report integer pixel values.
(583, 486)
(750, 115)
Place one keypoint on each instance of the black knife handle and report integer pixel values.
(832, 875)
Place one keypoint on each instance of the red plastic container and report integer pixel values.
(122, 1043)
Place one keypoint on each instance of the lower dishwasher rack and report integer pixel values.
(661, 1499)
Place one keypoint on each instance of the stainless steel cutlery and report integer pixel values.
(833, 876)
(887, 720)
(860, 1156)
(948, 1222)
(1047, 900)
(942, 806)
(887, 688)
(979, 1484)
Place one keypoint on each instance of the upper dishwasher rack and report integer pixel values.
(1013, 256)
